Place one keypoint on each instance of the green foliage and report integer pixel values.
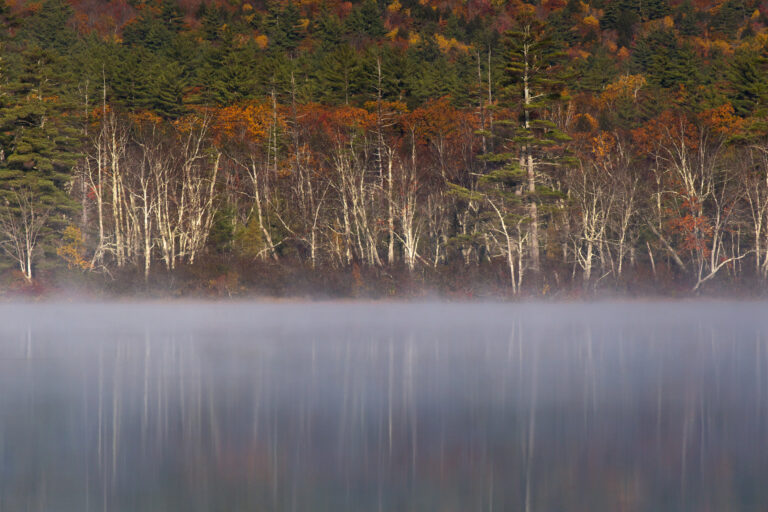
(283, 26)
(748, 82)
(365, 21)
(665, 61)
(339, 75)
(38, 129)
(729, 17)
(49, 26)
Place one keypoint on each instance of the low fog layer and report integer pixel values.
(384, 406)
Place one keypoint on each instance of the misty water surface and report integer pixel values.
(384, 407)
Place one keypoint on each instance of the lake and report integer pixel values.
(635, 406)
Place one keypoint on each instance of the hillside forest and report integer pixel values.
(384, 148)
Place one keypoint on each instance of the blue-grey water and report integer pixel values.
(384, 407)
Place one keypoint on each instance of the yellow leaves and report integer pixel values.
(392, 34)
(386, 106)
(446, 45)
(394, 6)
(591, 22)
(722, 120)
(585, 123)
(524, 9)
(602, 145)
(248, 122)
(755, 15)
(189, 123)
(145, 118)
(626, 87)
(304, 23)
(668, 22)
(247, 7)
(262, 41)
(623, 53)
(73, 250)
(414, 38)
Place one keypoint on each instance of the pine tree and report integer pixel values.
(747, 78)
(49, 27)
(328, 29)
(283, 26)
(664, 60)
(339, 74)
(533, 83)
(39, 138)
(365, 22)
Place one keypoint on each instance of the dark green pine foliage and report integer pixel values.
(230, 75)
(38, 129)
(212, 19)
(364, 22)
(688, 20)
(328, 29)
(49, 27)
(393, 71)
(664, 60)
(282, 26)
(156, 27)
(621, 16)
(339, 75)
(624, 15)
(142, 80)
(168, 87)
(729, 18)
(273, 74)
(533, 83)
(747, 78)
(430, 73)
(595, 72)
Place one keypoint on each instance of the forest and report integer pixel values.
(465, 148)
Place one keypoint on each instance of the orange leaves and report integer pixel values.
(340, 124)
(695, 231)
(145, 119)
(249, 122)
(439, 119)
(626, 87)
(602, 145)
(722, 120)
(668, 128)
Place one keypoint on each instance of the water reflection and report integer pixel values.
(384, 407)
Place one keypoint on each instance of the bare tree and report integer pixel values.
(22, 220)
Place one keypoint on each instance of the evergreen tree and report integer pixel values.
(38, 136)
(729, 17)
(747, 78)
(365, 22)
(533, 82)
(687, 19)
(49, 27)
(664, 60)
(283, 26)
(339, 75)
(328, 29)
(230, 75)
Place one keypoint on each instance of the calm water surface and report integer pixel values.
(384, 407)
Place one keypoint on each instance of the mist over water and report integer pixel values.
(384, 407)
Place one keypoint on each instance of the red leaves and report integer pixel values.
(669, 127)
